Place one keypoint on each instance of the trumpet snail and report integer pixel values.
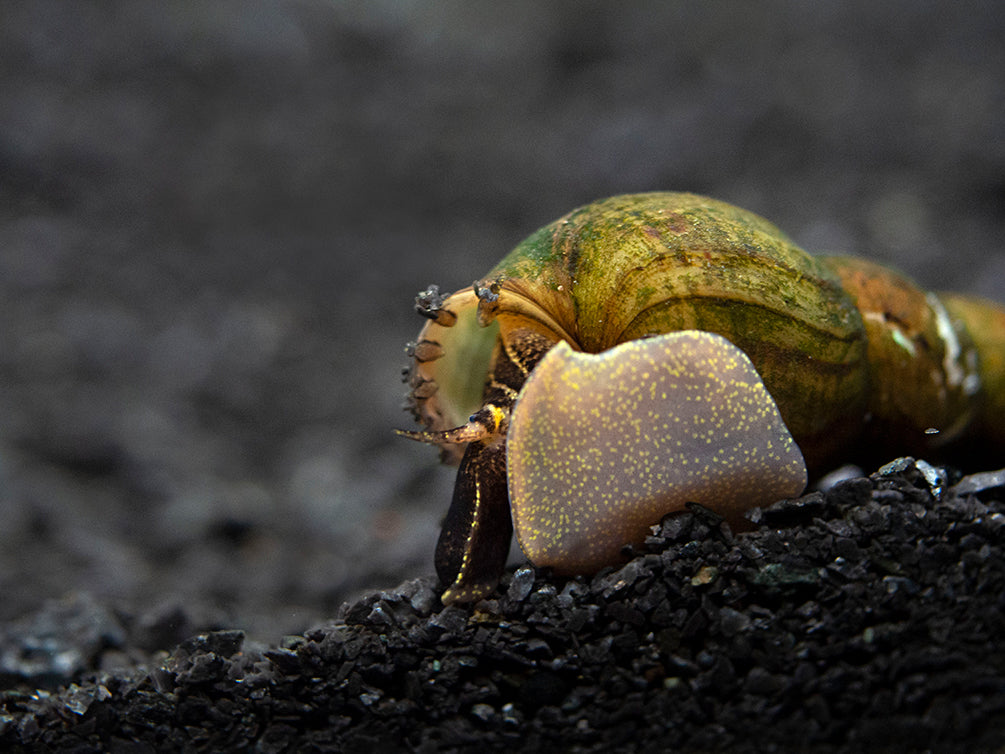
(653, 349)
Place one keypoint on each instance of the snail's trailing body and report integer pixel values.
(833, 353)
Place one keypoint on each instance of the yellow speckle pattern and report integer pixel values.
(602, 446)
(498, 415)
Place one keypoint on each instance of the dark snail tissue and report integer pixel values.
(868, 617)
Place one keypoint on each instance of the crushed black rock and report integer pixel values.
(867, 617)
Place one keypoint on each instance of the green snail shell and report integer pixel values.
(854, 355)
(637, 265)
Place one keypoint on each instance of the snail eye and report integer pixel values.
(602, 446)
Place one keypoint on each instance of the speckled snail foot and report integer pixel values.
(602, 446)
(854, 356)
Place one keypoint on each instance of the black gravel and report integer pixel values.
(865, 618)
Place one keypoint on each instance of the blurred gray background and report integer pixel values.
(215, 216)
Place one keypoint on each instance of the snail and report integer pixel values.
(650, 350)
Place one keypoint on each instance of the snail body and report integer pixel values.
(847, 354)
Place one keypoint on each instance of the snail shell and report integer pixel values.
(852, 354)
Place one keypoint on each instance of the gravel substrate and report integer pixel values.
(867, 617)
